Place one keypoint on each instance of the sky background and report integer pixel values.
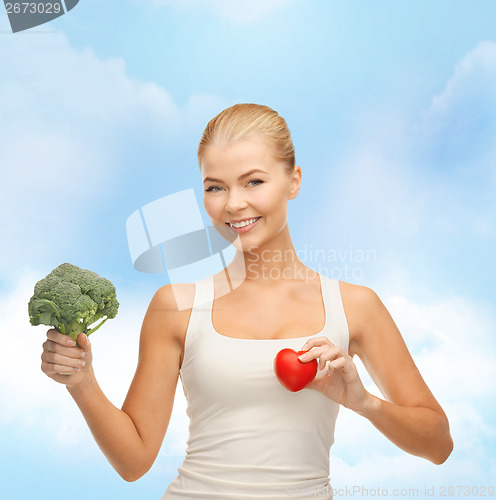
(391, 106)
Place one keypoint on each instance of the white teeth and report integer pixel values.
(244, 223)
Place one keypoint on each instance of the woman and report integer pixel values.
(249, 436)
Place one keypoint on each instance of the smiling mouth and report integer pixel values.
(239, 225)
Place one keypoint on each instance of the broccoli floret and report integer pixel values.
(71, 299)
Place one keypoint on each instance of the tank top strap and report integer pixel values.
(203, 294)
(199, 316)
(337, 324)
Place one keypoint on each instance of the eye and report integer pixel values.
(211, 188)
(256, 180)
(214, 188)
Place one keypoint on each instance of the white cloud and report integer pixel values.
(35, 402)
(66, 118)
(383, 474)
(451, 342)
(37, 408)
(422, 184)
(237, 12)
(384, 190)
(35, 405)
(457, 132)
(472, 83)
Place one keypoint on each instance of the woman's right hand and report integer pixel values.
(61, 359)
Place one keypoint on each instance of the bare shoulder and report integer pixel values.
(359, 296)
(172, 304)
(176, 297)
(360, 303)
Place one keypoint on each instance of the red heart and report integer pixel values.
(292, 373)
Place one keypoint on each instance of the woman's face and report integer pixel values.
(244, 181)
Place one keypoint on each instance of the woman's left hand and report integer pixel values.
(337, 376)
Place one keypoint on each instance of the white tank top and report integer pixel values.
(249, 437)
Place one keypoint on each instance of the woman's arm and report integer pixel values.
(131, 438)
(410, 417)
(112, 429)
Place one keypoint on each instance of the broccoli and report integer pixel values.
(71, 299)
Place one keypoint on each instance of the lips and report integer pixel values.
(246, 227)
(241, 220)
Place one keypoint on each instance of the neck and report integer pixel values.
(267, 264)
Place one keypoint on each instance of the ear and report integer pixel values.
(294, 183)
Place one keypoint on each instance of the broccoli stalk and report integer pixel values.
(72, 299)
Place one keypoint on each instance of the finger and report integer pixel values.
(71, 352)
(55, 369)
(315, 341)
(317, 352)
(61, 377)
(346, 366)
(83, 342)
(329, 355)
(313, 353)
(349, 369)
(337, 363)
(59, 359)
(60, 338)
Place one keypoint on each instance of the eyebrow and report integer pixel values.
(239, 178)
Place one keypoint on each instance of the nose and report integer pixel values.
(235, 202)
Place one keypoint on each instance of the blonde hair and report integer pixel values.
(248, 121)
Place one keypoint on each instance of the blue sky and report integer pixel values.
(392, 111)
